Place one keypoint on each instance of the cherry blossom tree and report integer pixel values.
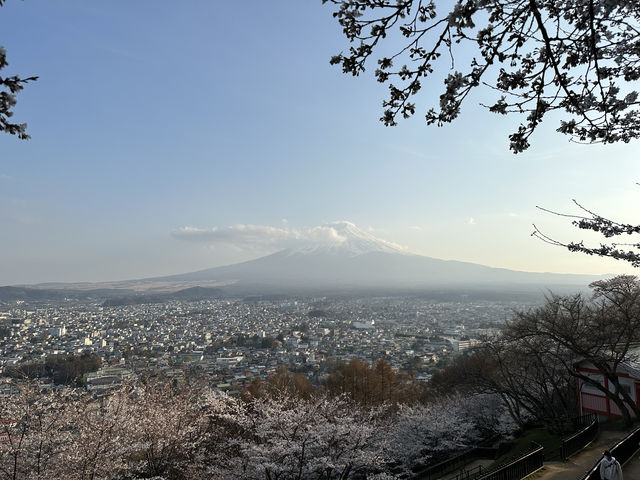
(36, 432)
(286, 438)
(579, 58)
(163, 427)
(100, 449)
(155, 431)
(427, 433)
(623, 238)
(140, 431)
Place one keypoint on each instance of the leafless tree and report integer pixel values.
(602, 330)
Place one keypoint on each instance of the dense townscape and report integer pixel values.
(229, 342)
(239, 387)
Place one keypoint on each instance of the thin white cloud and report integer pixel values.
(471, 221)
(4, 176)
(416, 228)
(237, 235)
(269, 238)
(260, 237)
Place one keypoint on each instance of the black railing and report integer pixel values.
(447, 466)
(525, 464)
(518, 468)
(459, 462)
(584, 420)
(623, 451)
(584, 430)
(582, 438)
(468, 474)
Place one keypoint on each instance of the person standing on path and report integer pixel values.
(610, 468)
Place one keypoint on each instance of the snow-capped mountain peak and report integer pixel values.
(345, 239)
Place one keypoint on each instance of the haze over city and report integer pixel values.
(167, 140)
(319, 240)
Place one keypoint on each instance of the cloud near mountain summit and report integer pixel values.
(260, 237)
(266, 237)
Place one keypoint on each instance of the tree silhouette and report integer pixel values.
(624, 244)
(578, 57)
(9, 88)
(603, 330)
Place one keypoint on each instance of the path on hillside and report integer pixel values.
(631, 469)
(581, 462)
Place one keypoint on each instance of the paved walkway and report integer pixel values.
(631, 469)
(581, 462)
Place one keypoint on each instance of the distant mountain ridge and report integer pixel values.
(357, 259)
(113, 297)
(348, 259)
(375, 269)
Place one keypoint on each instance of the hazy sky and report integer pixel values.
(155, 118)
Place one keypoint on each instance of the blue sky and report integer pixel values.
(153, 116)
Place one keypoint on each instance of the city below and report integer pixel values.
(230, 342)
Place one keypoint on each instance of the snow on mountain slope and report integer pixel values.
(348, 241)
(340, 255)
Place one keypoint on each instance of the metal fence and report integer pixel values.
(523, 465)
(584, 430)
(517, 468)
(582, 438)
(468, 474)
(450, 465)
(584, 420)
(624, 450)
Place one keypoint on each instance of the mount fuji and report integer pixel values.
(357, 260)
(337, 258)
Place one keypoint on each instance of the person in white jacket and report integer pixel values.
(610, 468)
